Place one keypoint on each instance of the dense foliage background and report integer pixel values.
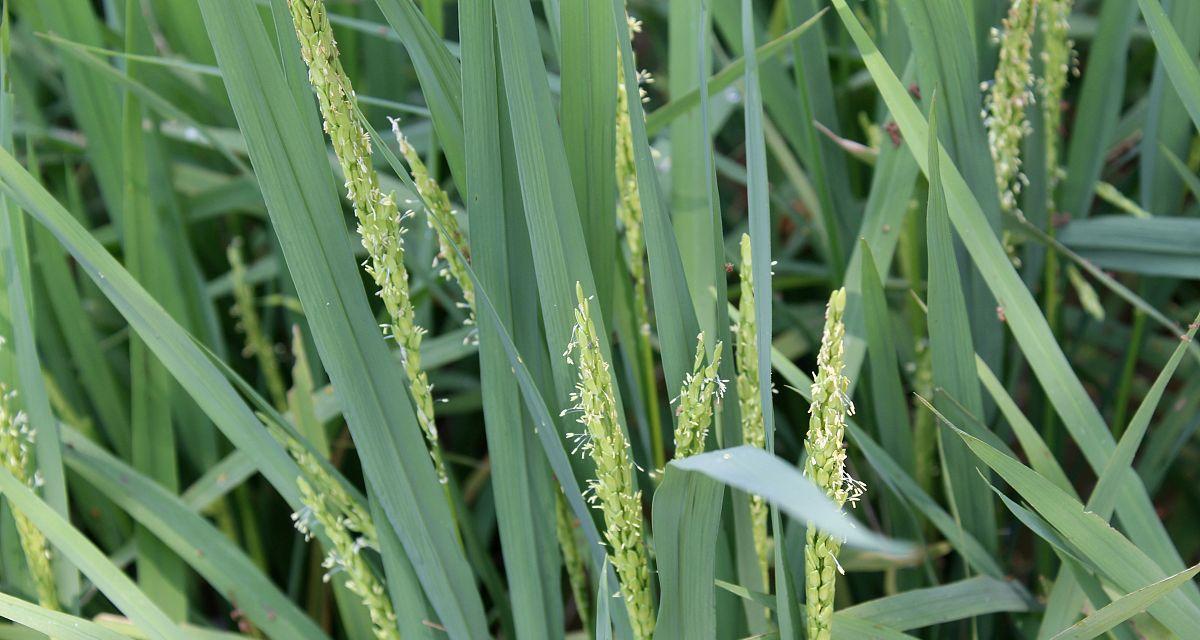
(190, 335)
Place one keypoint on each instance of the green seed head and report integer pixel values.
(702, 389)
(1010, 94)
(612, 490)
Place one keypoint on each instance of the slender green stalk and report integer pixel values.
(378, 217)
(612, 488)
(754, 432)
(825, 465)
(629, 215)
(1010, 93)
(258, 345)
(702, 389)
(16, 442)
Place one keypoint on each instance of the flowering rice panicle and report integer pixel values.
(702, 389)
(437, 204)
(257, 343)
(1058, 63)
(754, 432)
(1010, 94)
(378, 217)
(349, 530)
(825, 466)
(612, 490)
(16, 443)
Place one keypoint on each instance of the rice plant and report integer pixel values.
(380, 319)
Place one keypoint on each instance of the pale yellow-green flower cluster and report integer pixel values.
(16, 442)
(378, 217)
(1058, 62)
(612, 490)
(629, 202)
(1010, 94)
(754, 432)
(349, 529)
(437, 204)
(825, 466)
(702, 390)
(257, 343)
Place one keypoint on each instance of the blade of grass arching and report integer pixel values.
(950, 342)
(440, 78)
(1098, 106)
(54, 624)
(899, 481)
(754, 470)
(1125, 607)
(1167, 123)
(589, 103)
(299, 190)
(887, 392)
(192, 538)
(1124, 563)
(518, 470)
(1039, 455)
(94, 104)
(945, 53)
(77, 550)
(1028, 326)
(676, 322)
(19, 308)
(686, 515)
(1064, 599)
(678, 105)
(944, 603)
(160, 573)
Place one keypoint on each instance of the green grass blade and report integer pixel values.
(686, 515)
(589, 109)
(951, 347)
(160, 573)
(440, 77)
(53, 623)
(944, 603)
(1160, 246)
(519, 472)
(1098, 107)
(1125, 564)
(753, 470)
(1125, 607)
